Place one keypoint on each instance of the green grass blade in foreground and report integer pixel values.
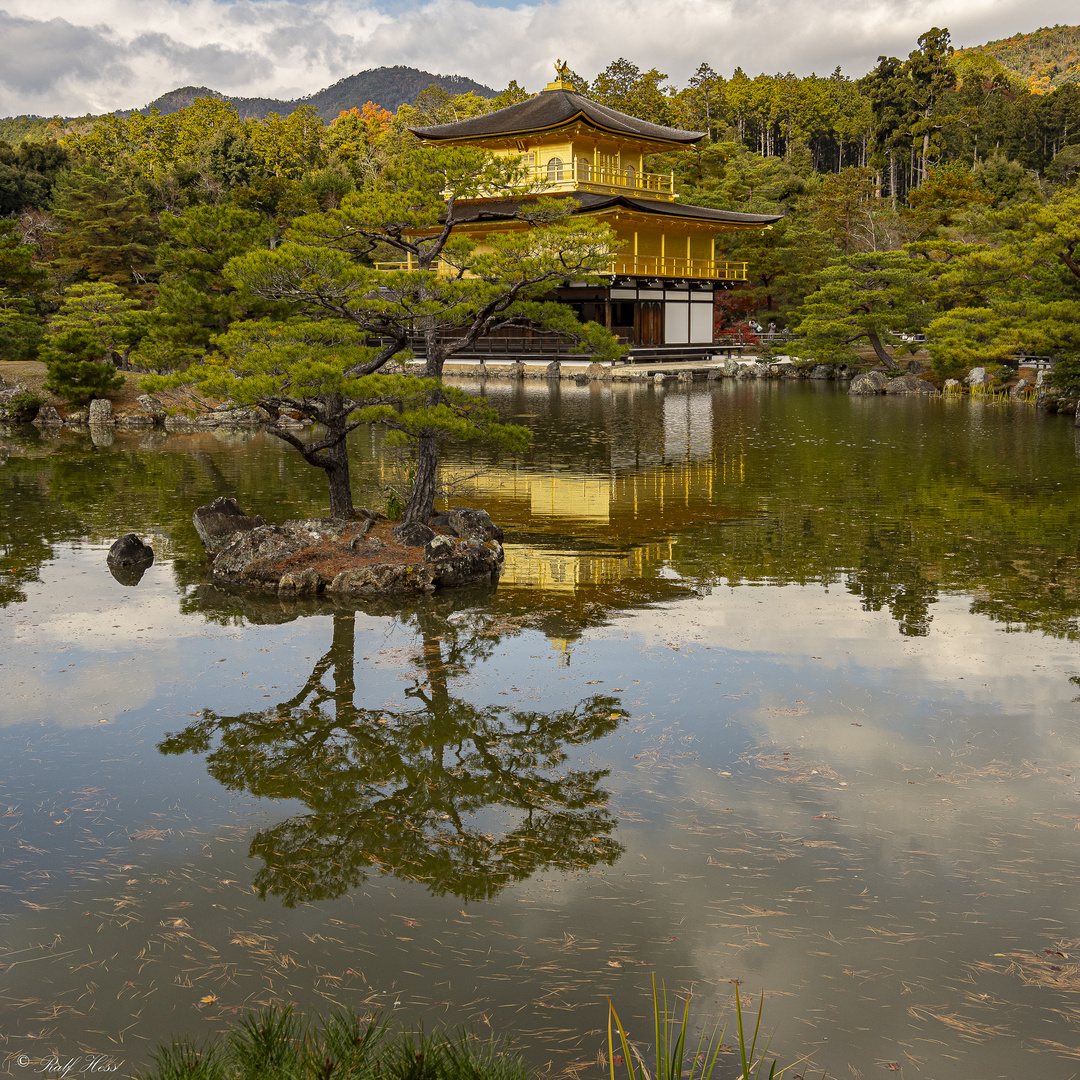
(671, 1060)
(268, 1044)
(627, 1052)
(349, 1043)
(670, 1045)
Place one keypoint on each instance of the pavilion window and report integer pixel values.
(631, 176)
(584, 169)
(554, 169)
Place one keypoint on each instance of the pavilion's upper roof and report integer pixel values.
(552, 109)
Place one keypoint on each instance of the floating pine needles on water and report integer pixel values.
(1049, 969)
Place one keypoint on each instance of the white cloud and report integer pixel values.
(109, 54)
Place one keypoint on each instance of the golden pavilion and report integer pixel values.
(665, 274)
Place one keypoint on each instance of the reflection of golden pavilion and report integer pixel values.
(625, 507)
(570, 497)
(625, 503)
(554, 570)
(623, 517)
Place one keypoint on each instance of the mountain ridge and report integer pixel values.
(1045, 58)
(387, 87)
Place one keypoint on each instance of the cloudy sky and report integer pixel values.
(77, 56)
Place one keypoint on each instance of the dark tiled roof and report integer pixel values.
(507, 209)
(552, 109)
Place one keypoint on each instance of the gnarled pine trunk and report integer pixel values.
(422, 497)
(879, 351)
(330, 454)
(339, 481)
(334, 459)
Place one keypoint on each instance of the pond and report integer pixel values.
(778, 694)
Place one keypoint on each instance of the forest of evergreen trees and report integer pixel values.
(937, 193)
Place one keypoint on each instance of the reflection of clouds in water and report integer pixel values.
(916, 742)
(84, 647)
(79, 597)
(400, 658)
(826, 629)
(946, 758)
(895, 862)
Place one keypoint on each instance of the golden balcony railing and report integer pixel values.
(671, 266)
(659, 266)
(398, 267)
(557, 174)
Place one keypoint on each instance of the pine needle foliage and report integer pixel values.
(77, 372)
(277, 1044)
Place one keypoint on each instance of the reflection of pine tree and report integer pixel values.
(891, 574)
(30, 524)
(410, 791)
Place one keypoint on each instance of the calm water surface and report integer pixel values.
(779, 691)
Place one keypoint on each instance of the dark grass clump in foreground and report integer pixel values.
(278, 1045)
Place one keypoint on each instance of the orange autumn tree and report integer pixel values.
(356, 135)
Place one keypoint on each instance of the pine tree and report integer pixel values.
(76, 371)
(863, 298)
(101, 309)
(21, 284)
(319, 362)
(108, 233)
(1019, 293)
(194, 300)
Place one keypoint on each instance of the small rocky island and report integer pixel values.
(369, 556)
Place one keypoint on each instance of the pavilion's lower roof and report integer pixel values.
(493, 210)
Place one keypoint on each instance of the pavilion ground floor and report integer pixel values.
(655, 316)
(651, 312)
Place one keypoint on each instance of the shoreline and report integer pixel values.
(183, 411)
